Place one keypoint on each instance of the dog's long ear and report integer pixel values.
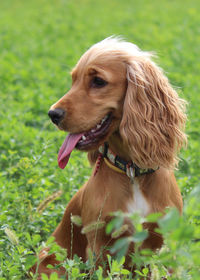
(153, 117)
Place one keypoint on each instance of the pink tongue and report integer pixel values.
(67, 147)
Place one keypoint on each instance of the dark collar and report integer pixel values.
(118, 164)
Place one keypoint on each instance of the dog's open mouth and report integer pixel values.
(84, 140)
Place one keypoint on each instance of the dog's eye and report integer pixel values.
(98, 82)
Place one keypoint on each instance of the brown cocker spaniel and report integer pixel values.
(123, 111)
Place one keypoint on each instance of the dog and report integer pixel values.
(122, 110)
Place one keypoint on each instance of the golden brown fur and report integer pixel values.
(147, 128)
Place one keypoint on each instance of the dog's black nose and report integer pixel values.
(56, 115)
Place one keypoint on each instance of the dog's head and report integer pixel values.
(116, 87)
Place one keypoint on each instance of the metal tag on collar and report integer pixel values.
(131, 173)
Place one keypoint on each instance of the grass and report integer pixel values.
(40, 41)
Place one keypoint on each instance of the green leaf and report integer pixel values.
(44, 277)
(120, 247)
(115, 223)
(54, 276)
(170, 221)
(153, 217)
(140, 236)
(30, 261)
(145, 271)
(125, 271)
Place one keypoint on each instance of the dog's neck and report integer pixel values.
(118, 147)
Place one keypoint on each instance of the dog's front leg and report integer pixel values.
(68, 236)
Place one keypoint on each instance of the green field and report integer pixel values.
(40, 41)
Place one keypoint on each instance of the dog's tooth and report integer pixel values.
(83, 137)
(93, 130)
(98, 126)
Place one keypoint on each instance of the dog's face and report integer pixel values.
(93, 105)
(116, 87)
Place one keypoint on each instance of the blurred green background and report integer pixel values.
(40, 41)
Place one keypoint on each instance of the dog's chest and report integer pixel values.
(138, 202)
